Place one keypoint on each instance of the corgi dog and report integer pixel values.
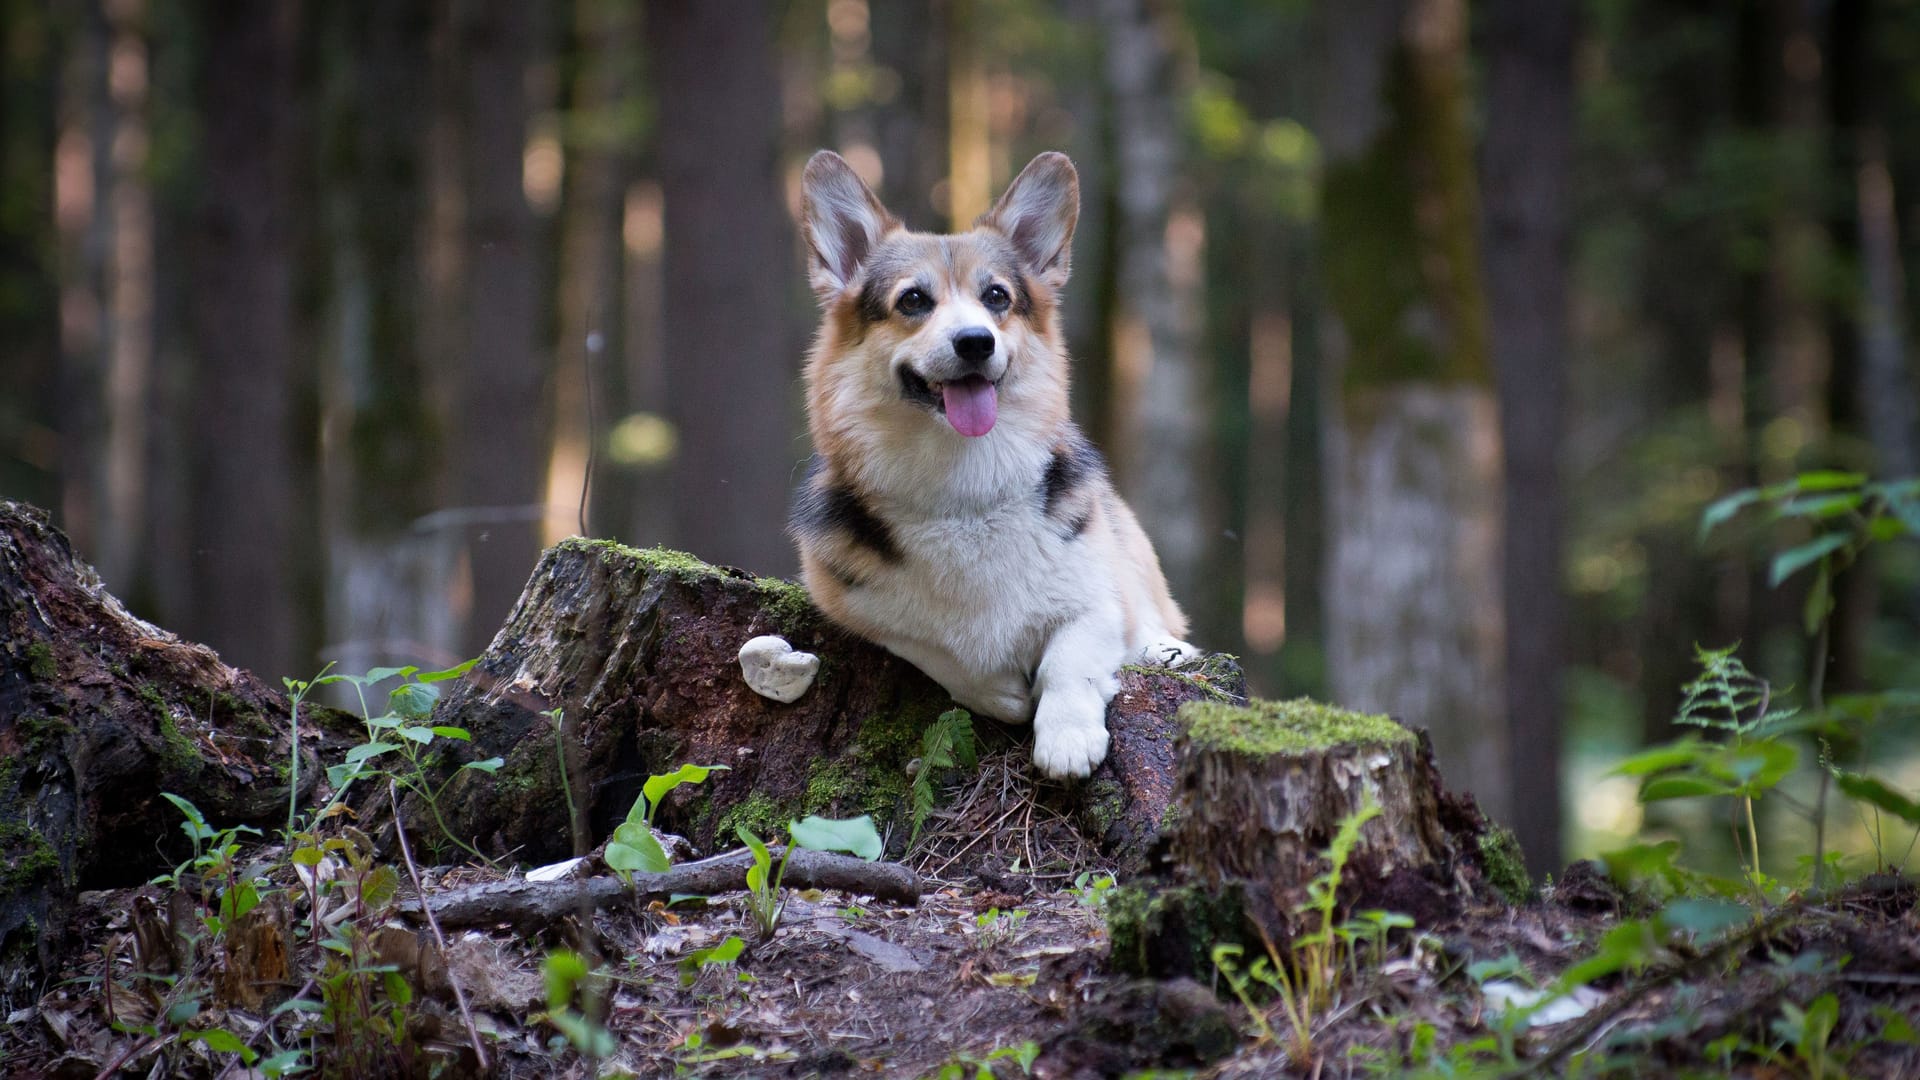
(953, 513)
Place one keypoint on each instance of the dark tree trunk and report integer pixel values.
(1525, 187)
(100, 712)
(246, 513)
(29, 302)
(732, 357)
(500, 480)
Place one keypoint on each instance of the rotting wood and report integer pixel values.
(639, 649)
(1264, 790)
(100, 712)
(529, 904)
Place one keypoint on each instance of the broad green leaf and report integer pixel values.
(1819, 602)
(223, 1041)
(450, 673)
(657, 787)
(303, 1005)
(1757, 766)
(415, 733)
(1826, 480)
(238, 900)
(1819, 507)
(1682, 787)
(414, 701)
(447, 732)
(634, 847)
(854, 835)
(307, 856)
(1877, 794)
(382, 674)
(284, 1063)
(489, 766)
(1660, 758)
(366, 751)
(398, 991)
(1705, 918)
(379, 886)
(1793, 560)
(1722, 510)
(762, 867)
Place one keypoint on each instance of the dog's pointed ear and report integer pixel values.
(841, 219)
(1038, 213)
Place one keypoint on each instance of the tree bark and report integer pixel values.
(639, 651)
(1160, 453)
(245, 514)
(1264, 791)
(100, 712)
(1525, 174)
(1414, 619)
(732, 355)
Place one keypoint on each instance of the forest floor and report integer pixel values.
(1001, 971)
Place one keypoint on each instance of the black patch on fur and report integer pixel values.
(1022, 296)
(1077, 526)
(875, 305)
(1075, 461)
(820, 508)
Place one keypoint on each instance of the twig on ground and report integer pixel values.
(530, 904)
(453, 980)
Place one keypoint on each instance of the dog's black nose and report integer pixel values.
(974, 345)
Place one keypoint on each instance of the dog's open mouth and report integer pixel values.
(970, 403)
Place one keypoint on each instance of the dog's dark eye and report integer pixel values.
(914, 302)
(996, 299)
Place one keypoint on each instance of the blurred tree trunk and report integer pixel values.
(730, 280)
(246, 512)
(596, 135)
(1413, 442)
(969, 121)
(496, 451)
(910, 130)
(31, 46)
(1525, 170)
(1156, 334)
(384, 579)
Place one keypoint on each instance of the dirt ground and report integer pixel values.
(1001, 967)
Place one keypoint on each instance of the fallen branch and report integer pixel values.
(529, 904)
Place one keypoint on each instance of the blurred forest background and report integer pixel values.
(1419, 332)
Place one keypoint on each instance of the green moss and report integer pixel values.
(178, 752)
(40, 663)
(1505, 865)
(785, 602)
(30, 858)
(1285, 727)
(39, 732)
(761, 815)
(1167, 931)
(1104, 804)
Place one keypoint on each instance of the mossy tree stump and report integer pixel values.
(638, 650)
(101, 712)
(1263, 791)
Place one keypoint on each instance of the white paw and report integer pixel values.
(1169, 652)
(1070, 738)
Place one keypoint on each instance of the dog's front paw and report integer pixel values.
(1169, 653)
(1070, 738)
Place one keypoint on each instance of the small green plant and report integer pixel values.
(214, 866)
(947, 743)
(1808, 1033)
(569, 981)
(856, 836)
(966, 1066)
(634, 847)
(994, 927)
(1304, 982)
(401, 734)
(699, 960)
(1091, 889)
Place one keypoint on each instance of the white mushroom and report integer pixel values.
(774, 670)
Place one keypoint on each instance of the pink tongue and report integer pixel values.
(972, 405)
